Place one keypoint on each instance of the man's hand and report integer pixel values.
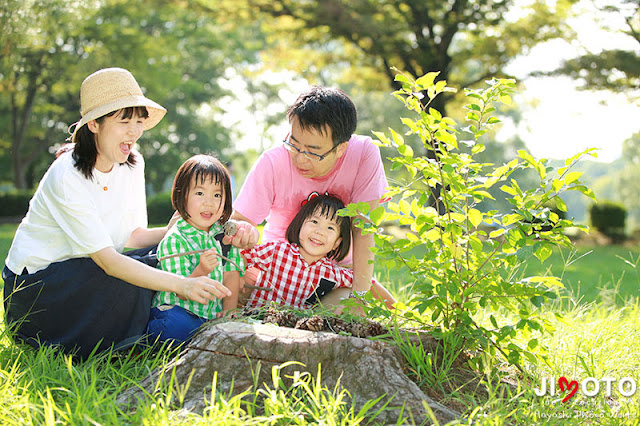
(245, 237)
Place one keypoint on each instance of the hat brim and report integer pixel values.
(156, 111)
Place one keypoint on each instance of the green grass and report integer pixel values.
(608, 274)
(597, 330)
(7, 230)
(594, 274)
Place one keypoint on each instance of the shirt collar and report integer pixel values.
(186, 229)
(296, 250)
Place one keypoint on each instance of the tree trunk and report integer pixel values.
(20, 118)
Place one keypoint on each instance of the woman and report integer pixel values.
(67, 281)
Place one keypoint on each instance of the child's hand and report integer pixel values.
(208, 261)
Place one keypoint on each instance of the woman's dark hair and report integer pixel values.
(320, 106)
(84, 147)
(201, 167)
(327, 206)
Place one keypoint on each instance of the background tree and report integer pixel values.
(468, 41)
(177, 54)
(628, 179)
(614, 69)
(41, 43)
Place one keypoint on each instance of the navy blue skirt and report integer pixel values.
(75, 305)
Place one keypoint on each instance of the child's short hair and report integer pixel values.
(326, 205)
(201, 167)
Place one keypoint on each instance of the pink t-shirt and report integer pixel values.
(274, 190)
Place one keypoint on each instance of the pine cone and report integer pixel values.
(315, 323)
(359, 329)
(288, 320)
(271, 316)
(375, 329)
(338, 326)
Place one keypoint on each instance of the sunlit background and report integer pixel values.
(226, 71)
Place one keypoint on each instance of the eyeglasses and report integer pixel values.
(308, 155)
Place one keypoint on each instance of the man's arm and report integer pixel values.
(237, 216)
(363, 264)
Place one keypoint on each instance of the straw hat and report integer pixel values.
(109, 90)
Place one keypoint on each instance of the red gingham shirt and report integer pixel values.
(293, 280)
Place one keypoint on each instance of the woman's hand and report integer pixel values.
(202, 289)
(245, 237)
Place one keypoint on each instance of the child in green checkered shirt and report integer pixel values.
(201, 193)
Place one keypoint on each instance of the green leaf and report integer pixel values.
(405, 207)
(436, 314)
(560, 204)
(363, 207)
(427, 79)
(496, 233)
(475, 217)
(585, 191)
(509, 219)
(478, 148)
(441, 85)
(405, 150)
(377, 215)
(412, 238)
(572, 177)
(543, 252)
(397, 138)
(509, 190)
(433, 234)
(410, 124)
(505, 99)
(493, 321)
(382, 138)
(549, 281)
(537, 301)
(457, 217)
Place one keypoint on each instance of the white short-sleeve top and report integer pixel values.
(71, 216)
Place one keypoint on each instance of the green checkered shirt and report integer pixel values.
(182, 238)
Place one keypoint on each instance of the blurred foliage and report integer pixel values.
(197, 58)
(613, 69)
(15, 203)
(609, 218)
(177, 54)
(627, 180)
(159, 209)
(360, 40)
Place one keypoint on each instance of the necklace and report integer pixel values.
(102, 179)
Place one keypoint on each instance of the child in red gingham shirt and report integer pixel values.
(316, 238)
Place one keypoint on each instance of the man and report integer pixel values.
(320, 154)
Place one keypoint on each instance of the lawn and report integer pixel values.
(596, 333)
(609, 274)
